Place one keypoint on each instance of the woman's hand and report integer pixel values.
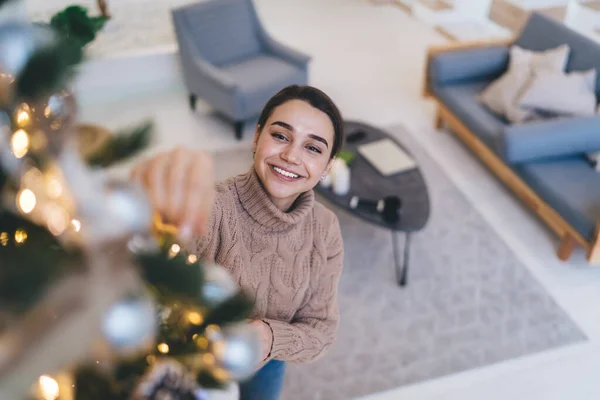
(180, 184)
(266, 336)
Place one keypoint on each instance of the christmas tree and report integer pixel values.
(98, 300)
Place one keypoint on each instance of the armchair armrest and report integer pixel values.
(285, 52)
(551, 138)
(193, 60)
(465, 60)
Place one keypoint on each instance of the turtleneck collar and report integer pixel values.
(257, 203)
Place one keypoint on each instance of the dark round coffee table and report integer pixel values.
(366, 182)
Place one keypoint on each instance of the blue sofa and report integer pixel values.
(543, 162)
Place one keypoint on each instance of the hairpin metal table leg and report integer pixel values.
(401, 268)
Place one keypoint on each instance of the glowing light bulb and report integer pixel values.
(19, 143)
(163, 348)
(22, 114)
(195, 318)
(174, 250)
(76, 225)
(192, 258)
(26, 201)
(48, 388)
(20, 236)
(4, 238)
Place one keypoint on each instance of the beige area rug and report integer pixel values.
(469, 301)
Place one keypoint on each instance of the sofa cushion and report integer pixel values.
(260, 77)
(560, 137)
(461, 99)
(502, 94)
(541, 33)
(570, 186)
(570, 94)
(468, 65)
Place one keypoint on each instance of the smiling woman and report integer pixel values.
(281, 247)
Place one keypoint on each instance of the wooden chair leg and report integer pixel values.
(567, 246)
(593, 256)
(439, 121)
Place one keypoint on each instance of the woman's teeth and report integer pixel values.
(285, 173)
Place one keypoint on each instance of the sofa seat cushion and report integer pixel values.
(258, 78)
(462, 100)
(570, 186)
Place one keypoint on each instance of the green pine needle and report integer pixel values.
(75, 25)
(93, 384)
(234, 309)
(207, 381)
(123, 145)
(28, 268)
(4, 2)
(172, 276)
(48, 70)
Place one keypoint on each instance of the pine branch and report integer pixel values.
(30, 260)
(4, 2)
(74, 24)
(123, 145)
(172, 276)
(92, 384)
(207, 381)
(234, 309)
(48, 70)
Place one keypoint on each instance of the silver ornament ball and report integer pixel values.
(218, 284)
(128, 210)
(237, 349)
(18, 42)
(130, 324)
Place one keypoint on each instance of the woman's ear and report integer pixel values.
(330, 165)
(256, 135)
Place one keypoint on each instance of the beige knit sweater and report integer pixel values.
(289, 263)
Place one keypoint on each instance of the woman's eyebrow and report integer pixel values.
(291, 129)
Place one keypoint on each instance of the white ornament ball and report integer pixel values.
(130, 324)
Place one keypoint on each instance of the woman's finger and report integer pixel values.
(200, 195)
(179, 168)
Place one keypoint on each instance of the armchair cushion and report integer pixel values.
(570, 186)
(468, 65)
(551, 138)
(258, 78)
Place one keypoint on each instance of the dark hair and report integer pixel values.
(316, 98)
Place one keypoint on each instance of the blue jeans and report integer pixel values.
(266, 384)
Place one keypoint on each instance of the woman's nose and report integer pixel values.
(291, 155)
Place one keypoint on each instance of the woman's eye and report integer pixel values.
(279, 136)
(314, 149)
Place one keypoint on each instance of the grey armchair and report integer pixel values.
(230, 61)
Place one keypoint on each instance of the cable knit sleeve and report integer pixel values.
(312, 331)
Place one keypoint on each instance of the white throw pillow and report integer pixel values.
(501, 95)
(571, 94)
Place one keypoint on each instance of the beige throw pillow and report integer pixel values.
(571, 94)
(501, 95)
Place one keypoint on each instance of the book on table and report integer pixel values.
(387, 157)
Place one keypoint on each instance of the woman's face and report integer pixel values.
(292, 151)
